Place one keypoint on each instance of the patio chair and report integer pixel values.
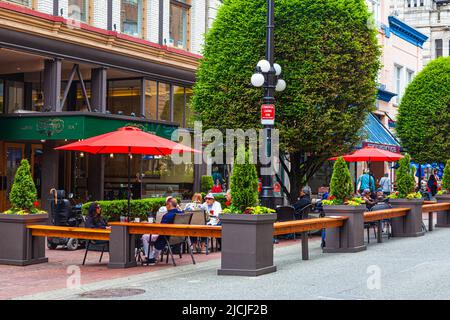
(200, 218)
(377, 207)
(286, 213)
(104, 244)
(173, 241)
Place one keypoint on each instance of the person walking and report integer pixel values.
(385, 184)
(366, 181)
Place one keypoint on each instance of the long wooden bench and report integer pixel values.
(182, 230)
(432, 208)
(380, 215)
(303, 226)
(69, 232)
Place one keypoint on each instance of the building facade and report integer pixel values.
(430, 17)
(71, 69)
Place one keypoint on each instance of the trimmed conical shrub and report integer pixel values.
(446, 177)
(341, 185)
(23, 193)
(206, 184)
(244, 184)
(405, 178)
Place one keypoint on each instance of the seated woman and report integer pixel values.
(94, 218)
(196, 203)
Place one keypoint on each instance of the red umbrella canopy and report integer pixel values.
(371, 154)
(128, 140)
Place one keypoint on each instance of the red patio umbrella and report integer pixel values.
(128, 140)
(371, 154)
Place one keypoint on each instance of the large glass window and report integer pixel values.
(178, 105)
(178, 31)
(151, 98)
(124, 97)
(438, 43)
(131, 17)
(398, 82)
(189, 112)
(78, 10)
(16, 96)
(26, 3)
(163, 101)
(75, 100)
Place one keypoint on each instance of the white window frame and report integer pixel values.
(398, 82)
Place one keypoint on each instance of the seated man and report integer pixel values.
(159, 242)
(304, 200)
(367, 197)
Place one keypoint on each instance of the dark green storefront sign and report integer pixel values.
(71, 127)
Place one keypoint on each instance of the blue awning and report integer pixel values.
(375, 132)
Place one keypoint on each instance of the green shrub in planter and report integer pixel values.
(405, 180)
(341, 186)
(23, 195)
(446, 179)
(206, 184)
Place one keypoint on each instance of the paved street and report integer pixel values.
(410, 268)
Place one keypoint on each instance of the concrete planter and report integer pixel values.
(17, 246)
(349, 238)
(247, 244)
(411, 224)
(443, 217)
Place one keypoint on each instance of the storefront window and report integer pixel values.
(15, 98)
(124, 97)
(78, 10)
(163, 101)
(151, 93)
(178, 105)
(131, 17)
(179, 12)
(75, 100)
(26, 3)
(189, 112)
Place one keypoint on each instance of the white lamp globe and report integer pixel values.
(257, 80)
(264, 65)
(281, 85)
(277, 68)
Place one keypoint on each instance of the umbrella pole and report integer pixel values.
(129, 181)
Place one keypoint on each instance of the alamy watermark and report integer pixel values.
(229, 146)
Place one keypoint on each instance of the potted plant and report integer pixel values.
(247, 228)
(443, 195)
(406, 197)
(342, 203)
(206, 184)
(17, 247)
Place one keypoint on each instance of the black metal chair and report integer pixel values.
(286, 213)
(178, 241)
(104, 244)
(377, 207)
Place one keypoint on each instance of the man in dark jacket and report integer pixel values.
(159, 241)
(304, 200)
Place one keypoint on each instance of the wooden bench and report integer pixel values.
(69, 232)
(380, 215)
(303, 226)
(181, 230)
(434, 207)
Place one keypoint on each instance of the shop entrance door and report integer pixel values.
(12, 154)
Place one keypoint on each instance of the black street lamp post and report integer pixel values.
(267, 76)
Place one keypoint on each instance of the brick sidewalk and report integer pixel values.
(20, 281)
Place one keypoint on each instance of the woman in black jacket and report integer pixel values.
(94, 218)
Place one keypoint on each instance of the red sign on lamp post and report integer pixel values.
(268, 114)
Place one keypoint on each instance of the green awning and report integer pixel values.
(72, 126)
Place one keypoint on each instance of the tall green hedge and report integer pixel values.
(330, 61)
(341, 185)
(112, 210)
(423, 122)
(206, 184)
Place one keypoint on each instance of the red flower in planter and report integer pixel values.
(36, 204)
(332, 198)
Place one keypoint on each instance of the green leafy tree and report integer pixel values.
(405, 177)
(207, 183)
(330, 60)
(244, 184)
(23, 193)
(446, 177)
(424, 114)
(341, 185)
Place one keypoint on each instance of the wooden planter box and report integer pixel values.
(247, 244)
(411, 224)
(349, 238)
(17, 246)
(443, 217)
